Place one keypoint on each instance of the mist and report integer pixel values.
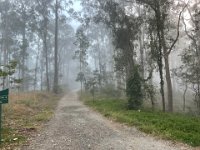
(55, 45)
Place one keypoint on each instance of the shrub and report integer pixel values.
(134, 90)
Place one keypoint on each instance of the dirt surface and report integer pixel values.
(76, 127)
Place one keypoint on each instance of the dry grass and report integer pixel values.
(25, 114)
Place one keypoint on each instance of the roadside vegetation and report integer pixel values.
(24, 116)
(177, 127)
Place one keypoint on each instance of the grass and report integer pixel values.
(176, 127)
(25, 115)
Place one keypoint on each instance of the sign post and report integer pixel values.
(3, 100)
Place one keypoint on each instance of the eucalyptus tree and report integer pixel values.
(101, 52)
(60, 8)
(81, 54)
(66, 52)
(13, 42)
(124, 29)
(7, 70)
(189, 70)
(7, 36)
(55, 86)
(24, 10)
(43, 8)
(161, 9)
(156, 54)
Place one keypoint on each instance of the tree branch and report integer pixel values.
(190, 36)
(178, 31)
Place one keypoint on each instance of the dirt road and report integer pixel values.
(76, 127)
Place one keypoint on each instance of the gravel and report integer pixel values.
(76, 127)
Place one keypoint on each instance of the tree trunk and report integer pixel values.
(55, 87)
(46, 54)
(184, 96)
(80, 59)
(167, 70)
(152, 96)
(100, 66)
(162, 85)
(141, 43)
(41, 71)
(24, 46)
(169, 84)
(36, 66)
(160, 56)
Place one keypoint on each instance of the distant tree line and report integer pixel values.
(31, 43)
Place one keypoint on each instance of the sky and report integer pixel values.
(77, 7)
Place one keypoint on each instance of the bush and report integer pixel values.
(134, 90)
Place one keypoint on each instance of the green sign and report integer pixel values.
(4, 96)
(3, 100)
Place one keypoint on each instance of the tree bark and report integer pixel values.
(169, 84)
(23, 59)
(36, 66)
(46, 54)
(24, 48)
(166, 55)
(141, 43)
(167, 69)
(55, 87)
(160, 55)
(41, 75)
(184, 96)
(162, 84)
(80, 59)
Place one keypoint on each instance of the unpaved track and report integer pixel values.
(76, 127)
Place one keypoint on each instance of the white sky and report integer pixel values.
(77, 7)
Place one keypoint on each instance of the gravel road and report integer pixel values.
(76, 127)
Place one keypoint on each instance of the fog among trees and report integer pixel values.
(147, 51)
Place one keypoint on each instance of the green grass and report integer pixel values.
(176, 127)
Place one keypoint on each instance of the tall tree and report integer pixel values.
(55, 86)
(161, 11)
(82, 44)
(189, 70)
(43, 9)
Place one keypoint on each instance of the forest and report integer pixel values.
(144, 51)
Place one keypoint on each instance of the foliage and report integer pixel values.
(91, 83)
(150, 93)
(27, 28)
(81, 54)
(80, 77)
(81, 40)
(189, 71)
(124, 29)
(134, 89)
(169, 126)
(8, 70)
